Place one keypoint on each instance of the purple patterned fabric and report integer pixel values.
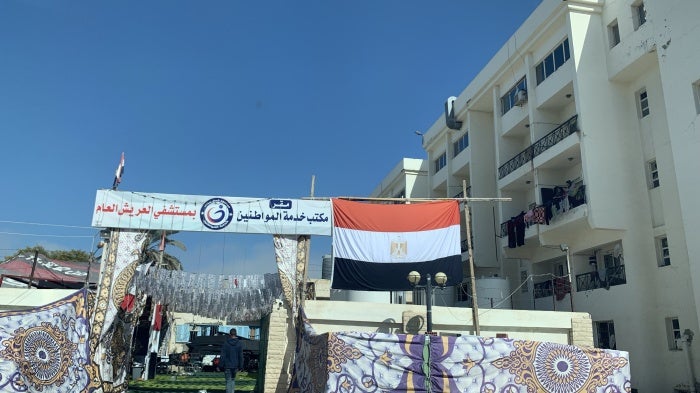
(478, 364)
(351, 362)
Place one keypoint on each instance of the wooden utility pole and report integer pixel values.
(475, 305)
(307, 246)
(31, 277)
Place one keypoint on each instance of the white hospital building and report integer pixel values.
(588, 119)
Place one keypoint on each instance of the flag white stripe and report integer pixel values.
(373, 246)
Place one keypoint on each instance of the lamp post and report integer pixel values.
(440, 279)
(565, 248)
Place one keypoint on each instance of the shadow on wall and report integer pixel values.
(386, 326)
(415, 324)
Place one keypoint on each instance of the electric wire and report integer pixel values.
(46, 235)
(495, 306)
(44, 224)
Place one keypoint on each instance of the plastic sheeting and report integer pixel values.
(230, 298)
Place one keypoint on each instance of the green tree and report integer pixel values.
(163, 259)
(61, 255)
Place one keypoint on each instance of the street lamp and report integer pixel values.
(440, 279)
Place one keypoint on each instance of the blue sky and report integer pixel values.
(222, 98)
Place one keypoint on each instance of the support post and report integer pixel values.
(31, 276)
(429, 303)
(307, 246)
(571, 279)
(475, 305)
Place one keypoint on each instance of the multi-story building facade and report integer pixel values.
(587, 118)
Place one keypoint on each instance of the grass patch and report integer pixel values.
(211, 382)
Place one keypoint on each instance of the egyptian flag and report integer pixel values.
(375, 246)
(118, 173)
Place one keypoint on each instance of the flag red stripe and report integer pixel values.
(395, 217)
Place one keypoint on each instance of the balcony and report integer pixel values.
(563, 200)
(557, 288)
(614, 275)
(557, 135)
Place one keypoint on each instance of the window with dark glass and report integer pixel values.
(614, 33)
(643, 103)
(673, 333)
(509, 100)
(639, 14)
(555, 59)
(663, 253)
(440, 162)
(653, 174)
(460, 144)
(605, 335)
(696, 94)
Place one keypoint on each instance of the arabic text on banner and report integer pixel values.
(172, 212)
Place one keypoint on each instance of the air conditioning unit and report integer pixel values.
(520, 97)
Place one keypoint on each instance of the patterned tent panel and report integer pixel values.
(46, 349)
(478, 364)
(377, 362)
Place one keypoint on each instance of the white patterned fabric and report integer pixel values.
(290, 253)
(46, 349)
(110, 336)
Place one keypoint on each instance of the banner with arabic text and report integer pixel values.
(172, 212)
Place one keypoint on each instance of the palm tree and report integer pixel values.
(160, 258)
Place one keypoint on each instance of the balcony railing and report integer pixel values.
(461, 193)
(558, 205)
(613, 276)
(543, 289)
(557, 135)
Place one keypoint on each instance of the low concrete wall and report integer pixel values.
(25, 298)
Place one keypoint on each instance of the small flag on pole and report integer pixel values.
(118, 174)
(161, 247)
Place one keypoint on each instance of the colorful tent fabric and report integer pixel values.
(46, 349)
(377, 362)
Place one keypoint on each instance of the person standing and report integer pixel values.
(231, 359)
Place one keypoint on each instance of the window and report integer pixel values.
(696, 93)
(642, 103)
(614, 33)
(463, 292)
(663, 255)
(639, 14)
(652, 174)
(182, 333)
(553, 61)
(673, 333)
(461, 144)
(441, 162)
(605, 335)
(509, 100)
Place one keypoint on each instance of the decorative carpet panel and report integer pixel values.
(46, 349)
